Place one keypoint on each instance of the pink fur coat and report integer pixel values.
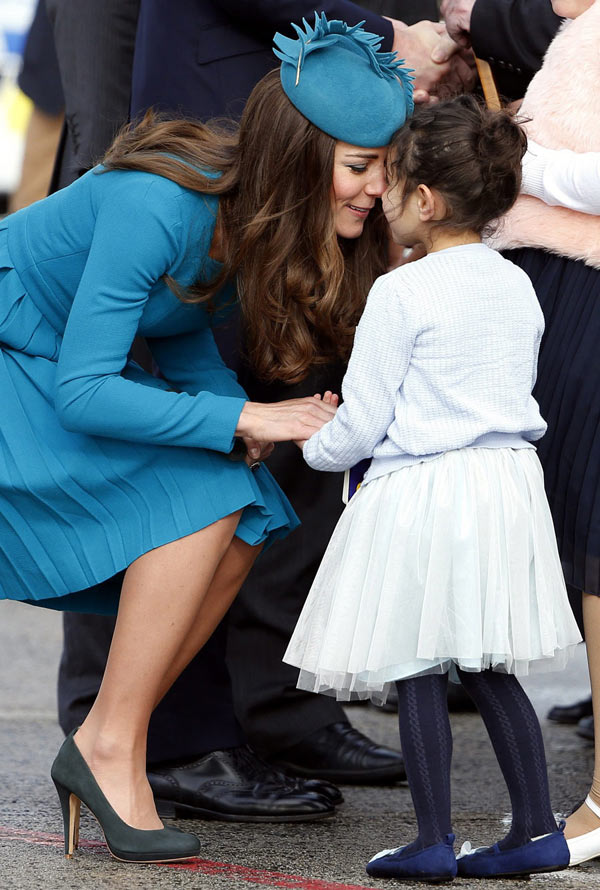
(563, 103)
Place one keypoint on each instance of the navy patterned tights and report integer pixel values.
(515, 733)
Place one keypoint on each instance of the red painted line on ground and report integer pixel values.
(201, 866)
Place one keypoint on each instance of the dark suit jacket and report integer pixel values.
(408, 11)
(513, 36)
(40, 78)
(212, 52)
(94, 46)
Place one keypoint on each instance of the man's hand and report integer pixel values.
(446, 74)
(457, 16)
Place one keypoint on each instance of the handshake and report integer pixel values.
(439, 52)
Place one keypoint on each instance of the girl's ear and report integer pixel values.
(430, 204)
(425, 203)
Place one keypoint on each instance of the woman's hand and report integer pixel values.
(292, 420)
(257, 451)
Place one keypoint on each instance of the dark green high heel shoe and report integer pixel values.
(75, 783)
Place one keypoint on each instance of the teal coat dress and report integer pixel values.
(99, 461)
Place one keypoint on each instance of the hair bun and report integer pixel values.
(470, 154)
(500, 146)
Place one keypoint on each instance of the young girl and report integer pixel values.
(445, 560)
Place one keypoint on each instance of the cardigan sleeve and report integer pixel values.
(561, 177)
(137, 238)
(383, 346)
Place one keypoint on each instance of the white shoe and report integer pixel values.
(586, 846)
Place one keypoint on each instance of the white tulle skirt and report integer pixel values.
(451, 562)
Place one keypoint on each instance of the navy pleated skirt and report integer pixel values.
(568, 392)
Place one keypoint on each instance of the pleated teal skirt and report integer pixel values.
(76, 510)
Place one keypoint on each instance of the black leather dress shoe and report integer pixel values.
(234, 785)
(585, 728)
(571, 713)
(343, 755)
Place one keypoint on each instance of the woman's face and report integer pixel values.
(570, 9)
(358, 180)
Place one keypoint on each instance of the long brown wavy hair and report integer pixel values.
(301, 288)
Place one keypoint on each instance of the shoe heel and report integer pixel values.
(71, 808)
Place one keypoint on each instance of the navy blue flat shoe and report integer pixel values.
(546, 853)
(434, 864)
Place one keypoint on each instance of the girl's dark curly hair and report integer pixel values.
(469, 154)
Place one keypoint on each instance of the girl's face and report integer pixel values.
(402, 215)
(570, 9)
(358, 180)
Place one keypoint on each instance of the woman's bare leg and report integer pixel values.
(161, 598)
(583, 820)
(231, 573)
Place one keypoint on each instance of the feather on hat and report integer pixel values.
(335, 75)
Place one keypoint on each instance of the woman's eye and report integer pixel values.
(357, 168)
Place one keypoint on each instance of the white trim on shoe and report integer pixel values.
(384, 853)
(467, 849)
(585, 846)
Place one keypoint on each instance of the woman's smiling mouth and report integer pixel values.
(360, 211)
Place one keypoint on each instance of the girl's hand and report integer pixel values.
(294, 419)
(329, 398)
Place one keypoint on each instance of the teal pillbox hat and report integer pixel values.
(336, 77)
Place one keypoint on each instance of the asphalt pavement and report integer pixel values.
(325, 855)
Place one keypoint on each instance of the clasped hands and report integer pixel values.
(438, 52)
(261, 425)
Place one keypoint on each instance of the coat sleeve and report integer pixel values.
(192, 363)
(513, 36)
(133, 246)
(276, 15)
